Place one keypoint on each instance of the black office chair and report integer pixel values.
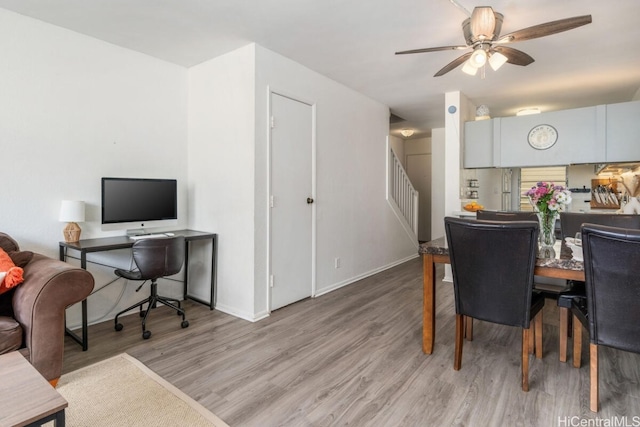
(570, 224)
(611, 309)
(492, 264)
(154, 258)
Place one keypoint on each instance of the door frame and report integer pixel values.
(270, 92)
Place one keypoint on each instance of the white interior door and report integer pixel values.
(291, 234)
(419, 171)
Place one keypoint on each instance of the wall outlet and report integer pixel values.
(336, 262)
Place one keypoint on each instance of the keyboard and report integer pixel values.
(150, 236)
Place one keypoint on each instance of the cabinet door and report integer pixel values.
(580, 138)
(478, 144)
(623, 132)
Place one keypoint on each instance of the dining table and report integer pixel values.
(562, 266)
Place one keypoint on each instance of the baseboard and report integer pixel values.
(251, 317)
(335, 286)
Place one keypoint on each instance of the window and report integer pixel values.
(529, 177)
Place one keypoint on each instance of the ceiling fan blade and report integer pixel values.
(545, 29)
(431, 49)
(514, 56)
(453, 64)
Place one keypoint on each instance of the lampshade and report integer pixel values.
(468, 68)
(478, 57)
(407, 132)
(483, 23)
(497, 60)
(72, 211)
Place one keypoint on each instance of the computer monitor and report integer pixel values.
(138, 203)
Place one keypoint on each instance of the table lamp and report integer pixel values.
(72, 212)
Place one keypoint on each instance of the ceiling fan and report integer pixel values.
(482, 35)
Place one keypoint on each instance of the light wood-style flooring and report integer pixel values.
(353, 357)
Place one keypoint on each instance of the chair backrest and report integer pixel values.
(571, 222)
(492, 264)
(159, 257)
(612, 281)
(506, 216)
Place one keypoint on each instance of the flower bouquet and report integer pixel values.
(548, 200)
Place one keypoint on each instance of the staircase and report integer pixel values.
(401, 195)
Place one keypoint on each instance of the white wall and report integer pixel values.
(221, 170)
(438, 178)
(354, 221)
(421, 149)
(74, 109)
(228, 174)
(397, 145)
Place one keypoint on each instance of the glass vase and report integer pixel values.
(547, 236)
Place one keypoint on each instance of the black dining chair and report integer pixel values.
(549, 287)
(492, 264)
(611, 309)
(487, 215)
(506, 216)
(570, 224)
(154, 258)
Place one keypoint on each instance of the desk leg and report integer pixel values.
(214, 251)
(428, 303)
(85, 327)
(187, 246)
(84, 341)
(214, 270)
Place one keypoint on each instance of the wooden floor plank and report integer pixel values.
(354, 357)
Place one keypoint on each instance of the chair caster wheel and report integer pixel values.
(118, 327)
(146, 335)
(185, 324)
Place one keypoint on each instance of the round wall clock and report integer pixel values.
(542, 137)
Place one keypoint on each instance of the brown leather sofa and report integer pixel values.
(32, 314)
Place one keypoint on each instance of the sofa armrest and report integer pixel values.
(39, 304)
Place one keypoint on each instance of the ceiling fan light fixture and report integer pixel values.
(478, 57)
(497, 60)
(467, 68)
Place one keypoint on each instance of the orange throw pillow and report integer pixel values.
(10, 275)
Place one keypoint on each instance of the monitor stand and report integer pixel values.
(137, 232)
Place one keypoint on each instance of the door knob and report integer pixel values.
(309, 200)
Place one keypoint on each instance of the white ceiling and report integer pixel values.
(353, 42)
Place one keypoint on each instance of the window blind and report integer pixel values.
(529, 177)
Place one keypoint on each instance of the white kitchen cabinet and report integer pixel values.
(580, 138)
(479, 144)
(623, 132)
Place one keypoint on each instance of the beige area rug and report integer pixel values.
(121, 391)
